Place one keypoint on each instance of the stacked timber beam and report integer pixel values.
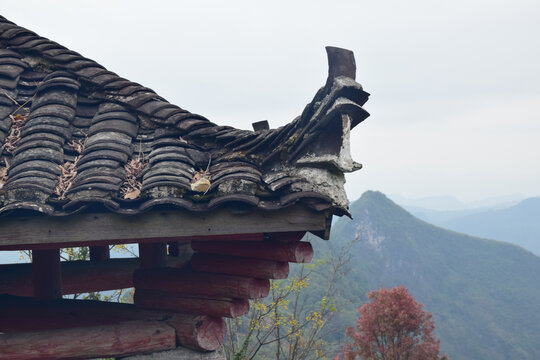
(180, 300)
(100, 275)
(79, 276)
(222, 276)
(79, 329)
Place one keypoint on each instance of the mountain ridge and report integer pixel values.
(483, 293)
(518, 224)
(450, 203)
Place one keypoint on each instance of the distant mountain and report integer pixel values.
(436, 217)
(518, 224)
(430, 202)
(484, 295)
(450, 203)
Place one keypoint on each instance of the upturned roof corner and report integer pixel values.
(90, 159)
(75, 135)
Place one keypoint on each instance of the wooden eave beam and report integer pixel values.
(34, 232)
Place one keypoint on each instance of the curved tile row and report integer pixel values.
(107, 148)
(34, 168)
(314, 200)
(11, 68)
(112, 87)
(80, 102)
(170, 168)
(292, 139)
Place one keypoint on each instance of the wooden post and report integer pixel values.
(47, 274)
(152, 255)
(98, 253)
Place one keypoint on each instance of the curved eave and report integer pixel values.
(31, 232)
(72, 98)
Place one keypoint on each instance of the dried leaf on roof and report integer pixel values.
(69, 170)
(131, 189)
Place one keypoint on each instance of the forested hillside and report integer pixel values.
(484, 295)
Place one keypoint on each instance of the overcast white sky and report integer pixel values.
(455, 85)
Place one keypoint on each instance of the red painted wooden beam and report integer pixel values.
(199, 332)
(89, 342)
(236, 265)
(79, 276)
(185, 282)
(161, 300)
(24, 315)
(298, 252)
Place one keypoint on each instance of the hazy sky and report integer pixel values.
(455, 84)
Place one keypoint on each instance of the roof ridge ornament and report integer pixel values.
(341, 62)
(307, 157)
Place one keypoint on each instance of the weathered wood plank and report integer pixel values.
(180, 239)
(89, 342)
(299, 252)
(192, 283)
(47, 274)
(163, 300)
(20, 314)
(80, 276)
(236, 265)
(99, 229)
(199, 332)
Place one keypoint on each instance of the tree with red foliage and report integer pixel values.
(392, 326)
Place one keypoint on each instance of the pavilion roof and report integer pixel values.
(74, 135)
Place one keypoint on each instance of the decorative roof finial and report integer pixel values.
(340, 63)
